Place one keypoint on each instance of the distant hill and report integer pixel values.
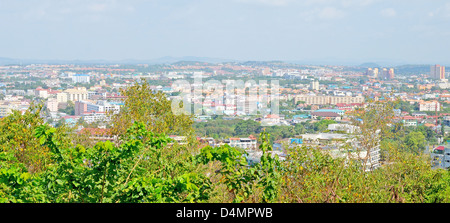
(6, 61)
(367, 65)
(186, 63)
(412, 69)
(171, 60)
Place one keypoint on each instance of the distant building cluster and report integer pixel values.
(382, 73)
(328, 100)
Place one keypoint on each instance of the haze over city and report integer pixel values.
(345, 32)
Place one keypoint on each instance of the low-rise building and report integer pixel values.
(76, 94)
(80, 78)
(326, 115)
(327, 99)
(243, 143)
(429, 106)
(440, 157)
(346, 128)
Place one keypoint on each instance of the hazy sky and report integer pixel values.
(407, 31)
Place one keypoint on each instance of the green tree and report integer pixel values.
(70, 108)
(17, 138)
(142, 104)
(322, 125)
(415, 142)
(247, 127)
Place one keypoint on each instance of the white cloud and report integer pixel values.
(388, 12)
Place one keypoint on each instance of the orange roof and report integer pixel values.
(272, 116)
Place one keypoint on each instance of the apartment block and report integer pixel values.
(329, 100)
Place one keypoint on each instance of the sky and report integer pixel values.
(347, 31)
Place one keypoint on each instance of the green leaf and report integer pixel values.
(42, 140)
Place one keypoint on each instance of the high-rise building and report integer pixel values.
(375, 72)
(372, 72)
(315, 85)
(391, 73)
(437, 72)
(384, 73)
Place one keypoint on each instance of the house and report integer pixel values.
(271, 119)
(325, 115)
(410, 121)
(243, 143)
(440, 157)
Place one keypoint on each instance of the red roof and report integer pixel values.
(440, 148)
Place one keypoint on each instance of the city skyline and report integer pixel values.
(327, 31)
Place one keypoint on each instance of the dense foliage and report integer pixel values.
(219, 128)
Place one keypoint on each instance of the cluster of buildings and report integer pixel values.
(72, 93)
(92, 105)
(382, 73)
